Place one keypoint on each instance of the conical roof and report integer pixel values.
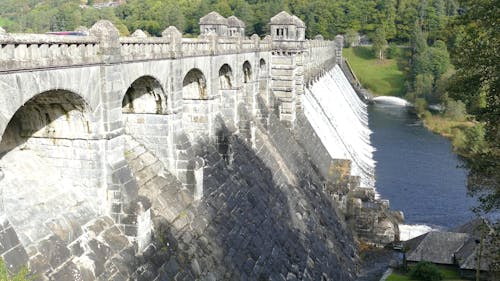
(213, 18)
(235, 22)
(282, 18)
(298, 22)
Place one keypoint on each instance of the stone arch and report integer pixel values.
(225, 77)
(247, 72)
(145, 95)
(56, 114)
(262, 65)
(52, 167)
(194, 85)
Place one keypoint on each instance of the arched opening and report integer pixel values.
(225, 77)
(194, 85)
(262, 65)
(146, 119)
(197, 107)
(51, 166)
(247, 72)
(145, 95)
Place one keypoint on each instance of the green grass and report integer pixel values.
(383, 78)
(449, 274)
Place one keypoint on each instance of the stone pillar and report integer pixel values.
(287, 81)
(121, 187)
(109, 40)
(339, 44)
(175, 37)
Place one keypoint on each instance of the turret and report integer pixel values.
(285, 27)
(236, 27)
(214, 22)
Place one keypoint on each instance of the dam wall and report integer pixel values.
(171, 158)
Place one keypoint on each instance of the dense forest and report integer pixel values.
(451, 50)
(329, 18)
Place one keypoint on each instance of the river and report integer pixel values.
(417, 171)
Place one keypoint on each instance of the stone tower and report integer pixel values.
(287, 64)
(214, 22)
(236, 27)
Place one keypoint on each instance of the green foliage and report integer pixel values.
(423, 86)
(474, 137)
(350, 37)
(426, 271)
(393, 51)
(328, 18)
(476, 54)
(420, 106)
(381, 77)
(22, 275)
(455, 110)
(379, 43)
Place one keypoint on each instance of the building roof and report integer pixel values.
(436, 246)
(213, 18)
(298, 22)
(235, 22)
(282, 18)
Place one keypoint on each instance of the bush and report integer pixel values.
(426, 271)
(455, 110)
(393, 51)
(420, 106)
(474, 138)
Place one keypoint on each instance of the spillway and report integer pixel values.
(340, 119)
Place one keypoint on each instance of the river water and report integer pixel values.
(417, 171)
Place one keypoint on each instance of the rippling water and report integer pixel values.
(417, 171)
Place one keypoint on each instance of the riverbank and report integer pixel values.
(387, 78)
(465, 135)
(384, 77)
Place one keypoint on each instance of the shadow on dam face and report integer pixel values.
(253, 223)
(51, 166)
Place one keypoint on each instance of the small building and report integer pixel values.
(236, 27)
(438, 247)
(285, 27)
(460, 248)
(214, 22)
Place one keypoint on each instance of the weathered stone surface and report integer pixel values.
(15, 258)
(232, 194)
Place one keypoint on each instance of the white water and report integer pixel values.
(391, 101)
(409, 231)
(340, 119)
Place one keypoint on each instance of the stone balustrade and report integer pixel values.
(145, 48)
(31, 51)
(39, 51)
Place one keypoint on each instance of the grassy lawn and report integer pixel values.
(449, 274)
(383, 78)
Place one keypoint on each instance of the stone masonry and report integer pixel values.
(171, 158)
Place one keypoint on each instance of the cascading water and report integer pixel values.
(340, 119)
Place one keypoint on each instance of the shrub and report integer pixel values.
(426, 271)
(455, 110)
(420, 106)
(392, 51)
(22, 275)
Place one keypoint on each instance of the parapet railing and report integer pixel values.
(38, 51)
(28, 51)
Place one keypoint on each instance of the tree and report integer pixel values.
(426, 271)
(379, 42)
(350, 37)
(477, 82)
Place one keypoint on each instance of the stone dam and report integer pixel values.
(220, 157)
